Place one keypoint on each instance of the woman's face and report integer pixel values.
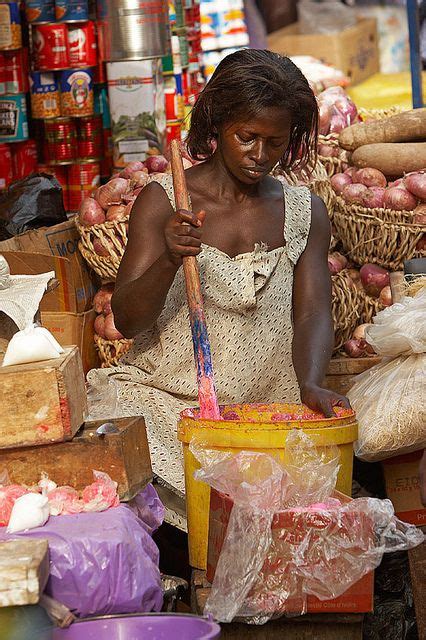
(250, 149)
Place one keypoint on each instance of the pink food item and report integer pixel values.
(101, 494)
(130, 169)
(399, 199)
(64, 501)
(370, 177)
(116, 212)
(339, 182)
(354, 348)
(373, 198)
(385, 296)
(111, 192)
(374, 278)
(102, 296)
(416, 184)
(420, 214)
(156, 164)
(102, 247)
(99, 326)
(8, 495)
(359, 333)
(111, 331)
(354, 193)
(90, 212)
(336, 262)
(325, 112)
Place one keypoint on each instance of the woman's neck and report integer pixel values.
(228, 185)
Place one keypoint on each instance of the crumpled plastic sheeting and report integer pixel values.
(105, 563)
(288, 538)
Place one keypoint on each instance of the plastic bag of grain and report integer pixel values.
(390, 398)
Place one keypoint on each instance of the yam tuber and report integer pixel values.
(392, 159)
(403, 127)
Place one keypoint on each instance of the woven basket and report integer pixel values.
(316, 178)
(380, 236)
(110, 351)
(370, 308)
(331, 164)
(113, 236)
(346, 308)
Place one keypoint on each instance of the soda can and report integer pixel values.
(24, 158)
(61, 175)
(61, 137)
(13, 118)
(16, 71)
(71, 10)
(10, 26)
(3, 76)
(6, 166)
(82, 45)
(45, 99)
(40, 11)
(83, 179)
(50, 45)
(90, 137)
(77, 92)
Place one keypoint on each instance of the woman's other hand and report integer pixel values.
(323, 400)
(183, 234)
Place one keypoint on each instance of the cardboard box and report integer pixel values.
(74, 328)
(42, 402)
(354, 51)
(357, 599)
(402, 487)
(61, 241)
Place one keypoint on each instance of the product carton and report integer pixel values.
(353, 51)
(357, 599)
(402, 487)
(77, 329)
(58, 246)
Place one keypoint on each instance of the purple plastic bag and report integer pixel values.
(103, 563)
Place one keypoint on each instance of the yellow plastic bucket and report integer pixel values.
(255, 428)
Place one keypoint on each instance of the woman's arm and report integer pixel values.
(313, 338)
(158, 238)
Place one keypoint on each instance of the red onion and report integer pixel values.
(139, 179)
(354, 193)
(416, 184)
(373, 198)
(399, 199)
(421, 245)
(354, 348)
(116, 212)
(101, 248)
(370, 177)
(156, 164)
(111, 331)
(347, 108)
(102, 296)
(385, 296)
(90, 213)
(351, 171)
(328, 151)
(336, 262)
(367, 348)
(339, 182)
(420, 214)
(111, 192)
(99, 326)
(325, 112)
(338, 122)
(359, 333)
(130, 169)
(374, 278)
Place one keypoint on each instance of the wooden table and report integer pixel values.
(342, 372)
(310, 627)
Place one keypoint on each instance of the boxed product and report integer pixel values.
(402, 487)
(137, 107)
(354, 51)
(54, 249)
(74, 328)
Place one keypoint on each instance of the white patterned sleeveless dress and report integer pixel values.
(248, 308)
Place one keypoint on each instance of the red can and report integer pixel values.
(61, 137)
(174, 130)
(107, 160)
(16, 71)
(24, 156)
(3, 75)
(50, 45)
(82, 45)
(61, 174)
(90, 137)
(83, 179)
(6, 166)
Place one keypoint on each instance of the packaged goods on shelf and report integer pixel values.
(6, 166)
(223, 25)
(76, 92)
(10, 26)
(50, 47)
(13, 118)
(45, 95)
(40, 11)
(71, 10)
(82, 44)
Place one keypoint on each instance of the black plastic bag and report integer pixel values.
(33, 202)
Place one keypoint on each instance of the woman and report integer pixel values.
(262, 254)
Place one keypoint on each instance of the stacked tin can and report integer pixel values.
(134, 36)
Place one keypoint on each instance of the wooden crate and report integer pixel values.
(342, 372)
(24, 570)
(42, 402)
(123, 455)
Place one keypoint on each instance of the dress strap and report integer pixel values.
(297, 220)
(165, 180)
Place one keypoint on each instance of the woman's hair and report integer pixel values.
(246, 82)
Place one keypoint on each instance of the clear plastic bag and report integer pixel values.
(102, 397)
(324, 17)
(389, 399)
(288, 536)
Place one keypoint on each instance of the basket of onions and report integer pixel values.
(103, 218)
(346, 300)
(111, 345)
(336, 112)
(380, 222)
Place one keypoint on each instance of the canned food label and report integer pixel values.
(71, 10)
(82, 45)
(76, 92)
(10, 26)
(44, 95)
(40, 11)
(13, 119)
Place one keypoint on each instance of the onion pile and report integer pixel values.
(104, 322)
(336, 112)
(369, 188)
